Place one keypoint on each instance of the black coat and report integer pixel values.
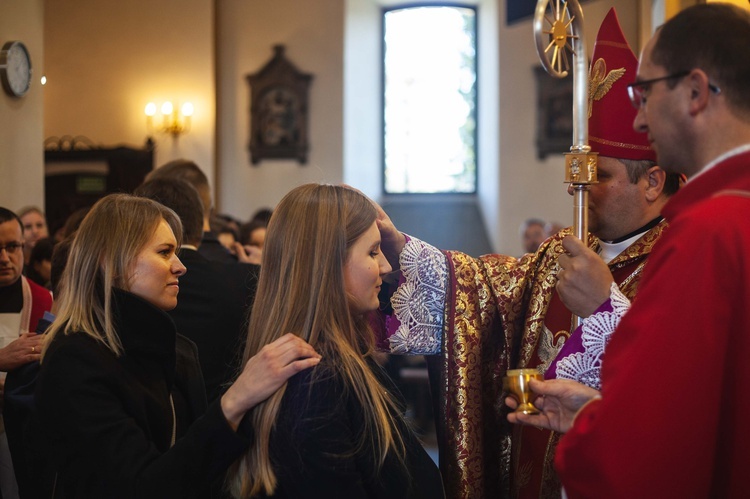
(212, 310)
(213, 250)
(313, 446)
(107, 421)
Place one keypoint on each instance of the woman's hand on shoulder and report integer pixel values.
(264, 373)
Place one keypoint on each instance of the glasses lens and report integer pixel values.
(636, 98)
(11, 247)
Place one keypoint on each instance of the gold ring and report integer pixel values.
(33, 349)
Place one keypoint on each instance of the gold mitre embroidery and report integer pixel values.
(635, 147)
(600, 82)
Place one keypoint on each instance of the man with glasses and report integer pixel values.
(671, 418)
(488, 314)
(22, 304)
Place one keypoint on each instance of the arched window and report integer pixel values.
(430, 99)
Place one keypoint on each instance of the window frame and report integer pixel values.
(475, 112)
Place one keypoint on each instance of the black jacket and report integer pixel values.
(212, 310)
(213, 250)
(313, 445)
(108, 422)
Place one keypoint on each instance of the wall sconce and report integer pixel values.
(173, 122)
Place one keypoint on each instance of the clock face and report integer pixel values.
(15, 68)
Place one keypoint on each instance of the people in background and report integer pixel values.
(34, 228)
(262, 215)
(39, 268)
(336, 430)
(119, 396)
(22, 302)
(22, 305)
(533, 234)
(232, 223)
(253, 233)
(211, 248)
(225, 232)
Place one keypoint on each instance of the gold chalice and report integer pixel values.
(516, 382)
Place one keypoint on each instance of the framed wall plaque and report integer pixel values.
(554, 113)
(279, 97)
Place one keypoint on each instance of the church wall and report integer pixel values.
(107, 59)
(21, 159)
(313, 34)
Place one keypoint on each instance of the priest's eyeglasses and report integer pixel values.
(638, 91)
(11, 247)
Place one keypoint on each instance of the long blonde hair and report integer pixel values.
(301, 290)
(101, 256)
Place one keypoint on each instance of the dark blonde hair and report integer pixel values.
(301, 290)
(101, 257)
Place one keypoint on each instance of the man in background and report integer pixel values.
(22, 305)
(34, 228)
(532, 234)
(210, 246)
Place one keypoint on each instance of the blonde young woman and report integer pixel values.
(119, 396)
(336, 430)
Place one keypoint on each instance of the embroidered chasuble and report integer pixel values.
(486, 315)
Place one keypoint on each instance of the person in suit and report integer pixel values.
(119, 396)
(215, 297)
(210, 247)
(337, 430)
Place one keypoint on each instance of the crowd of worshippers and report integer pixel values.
(170, 364)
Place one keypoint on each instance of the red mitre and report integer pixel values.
(611, 114)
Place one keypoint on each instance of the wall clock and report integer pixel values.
(15, 68)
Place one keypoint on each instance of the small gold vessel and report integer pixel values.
(516, 383)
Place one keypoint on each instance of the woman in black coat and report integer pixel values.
(336, 430)
(119, 397)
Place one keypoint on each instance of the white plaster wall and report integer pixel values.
(313, 34)
(488, 179)
(363, 143)
(21, 158)
(107, 58)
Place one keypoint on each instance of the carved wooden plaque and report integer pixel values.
(279, 96)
